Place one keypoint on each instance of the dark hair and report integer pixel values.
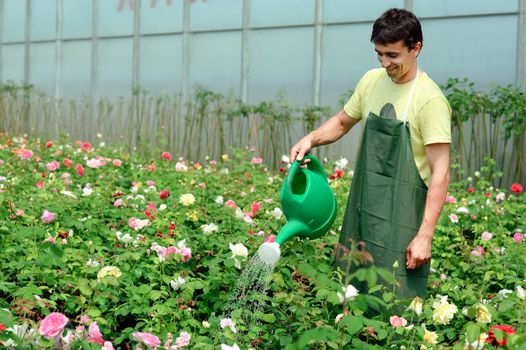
(395, 25)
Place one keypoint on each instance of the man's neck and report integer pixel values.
(408, 76)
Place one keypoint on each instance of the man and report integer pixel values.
(402, 171)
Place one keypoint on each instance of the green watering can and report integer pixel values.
(308, 204)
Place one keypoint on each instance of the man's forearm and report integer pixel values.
(436, 196)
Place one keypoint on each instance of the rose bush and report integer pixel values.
(145, 251)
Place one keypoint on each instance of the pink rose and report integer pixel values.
(47, 217)
(95, 336)
(256, 160)
(108, 346)
(397, 321)
(84, 319)
(150, 340)
(453, 218)
(26, 154)
(518, 237)
(183, 339)
(451, 199)
(117, 203)
(117, 162)
(230, 203)
(52, 166)
(53, 325)
(186, 253)
(486, 236)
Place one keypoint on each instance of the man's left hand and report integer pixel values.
(418, 252)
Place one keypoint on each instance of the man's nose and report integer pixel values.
(385, 62)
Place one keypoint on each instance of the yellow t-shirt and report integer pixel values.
(429, 114)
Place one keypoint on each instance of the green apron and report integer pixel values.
(386, 201)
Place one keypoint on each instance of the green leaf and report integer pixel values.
(93, 312)
(308, 270)
(472, 332)
(269, 318)
(319, 334)
(353, 324)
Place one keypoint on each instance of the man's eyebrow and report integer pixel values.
(387, 52)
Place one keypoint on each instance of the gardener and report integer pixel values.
(402, 169)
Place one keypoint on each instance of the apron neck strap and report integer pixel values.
(408, 105)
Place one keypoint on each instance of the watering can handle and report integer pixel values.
(313, 165)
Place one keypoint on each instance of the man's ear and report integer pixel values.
(417, 48)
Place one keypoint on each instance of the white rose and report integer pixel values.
(177, 283)
(349, 293)
(238, 249)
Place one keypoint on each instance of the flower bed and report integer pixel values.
(100, 249)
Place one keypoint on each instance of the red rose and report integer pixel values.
(166, 155)
(471, 189)
(86, 146)
(164, 194)
(502, 327)
(68, 163)
(516, 188)
(49, 144)
(80, 170)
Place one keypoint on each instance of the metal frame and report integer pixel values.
(245, 30)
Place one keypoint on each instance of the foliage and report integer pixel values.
(88, 231)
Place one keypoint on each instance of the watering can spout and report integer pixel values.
(291, 229)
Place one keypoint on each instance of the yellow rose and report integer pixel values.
(224, 156)
(430, 337)
(416, 305)
(192, 215)
(187, 199)
(443, 311)
(109, 271)
(483, 315)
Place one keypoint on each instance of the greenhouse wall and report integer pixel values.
(311, 51)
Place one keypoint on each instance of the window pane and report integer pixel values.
(14, 20)
(76, 18)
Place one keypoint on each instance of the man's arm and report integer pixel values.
(419, 250)
(330, 131)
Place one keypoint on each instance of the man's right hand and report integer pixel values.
(300, 149)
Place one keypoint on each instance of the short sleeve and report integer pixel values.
(435, 121)
(353, 107)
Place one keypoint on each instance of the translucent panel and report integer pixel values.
(265, 13)
(115, 67)
(76, 68)
(432, 8)
(217, 14)
(116, 17)
(43, 20)
(13, 20)
(42, 67)
(161, 16)
(13, 63)
(215, 61)
(76, 18)
(347, 54)
(161, 63)
(356, 10)
(277, 64)
(492, 60)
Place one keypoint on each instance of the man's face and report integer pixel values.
(398, 60)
